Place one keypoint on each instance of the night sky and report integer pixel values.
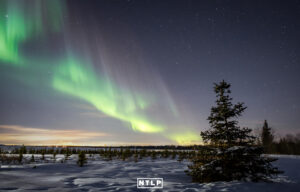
(142, 72)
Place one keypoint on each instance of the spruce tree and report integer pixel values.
(20, 158)
(267, 137)
(153, 155)
(23, 149)
(136, 156)
(81, 159)
(32, 158)
(231, 154)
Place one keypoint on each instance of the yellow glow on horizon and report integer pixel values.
(188, 138)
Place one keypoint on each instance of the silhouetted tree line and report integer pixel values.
(107, 154)
(92, 150)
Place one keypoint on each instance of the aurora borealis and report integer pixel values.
(75, 79)
(22, 22)
(75, 75)
(132, 72)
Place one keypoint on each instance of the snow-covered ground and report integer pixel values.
(117, 175)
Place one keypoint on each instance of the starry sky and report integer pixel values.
(142, 72)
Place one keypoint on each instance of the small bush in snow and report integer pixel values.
(81, 159)
(20, 159)
(32, 158)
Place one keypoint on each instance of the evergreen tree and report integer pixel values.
(225, 132)
(232, 154)
(32, 158)
(67, 154)
(23, 150)
(153, 155)
(136, 156)
(180, 156)
(173, 154)
(81, 159)
(166, 153)
(20, 157)
(267, 137)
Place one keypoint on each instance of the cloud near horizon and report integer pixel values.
(15, 134)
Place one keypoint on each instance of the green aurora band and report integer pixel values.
(13, 31)
(71, 77)
(76, 79)
(74, 76)
(19, 23)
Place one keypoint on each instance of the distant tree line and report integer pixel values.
(107, 154)
(289, 144)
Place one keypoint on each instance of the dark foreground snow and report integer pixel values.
(116, 175)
